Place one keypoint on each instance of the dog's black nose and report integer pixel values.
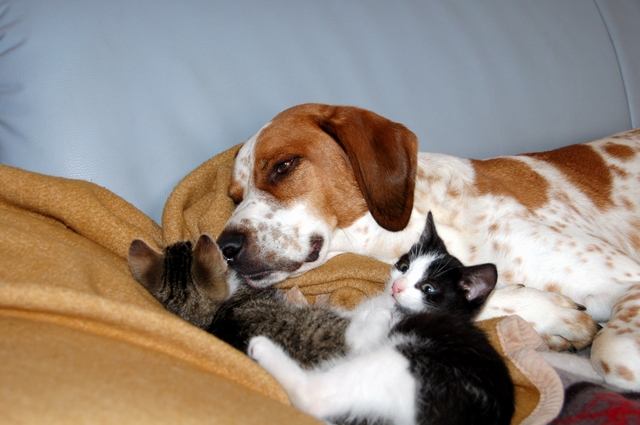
(230, 243)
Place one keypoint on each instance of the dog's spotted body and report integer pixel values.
(320, 180)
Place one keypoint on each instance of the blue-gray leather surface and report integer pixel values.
(133, 95)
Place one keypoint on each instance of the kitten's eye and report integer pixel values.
(428, 288)
(403, 266)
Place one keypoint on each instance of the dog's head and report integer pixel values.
(310, 172)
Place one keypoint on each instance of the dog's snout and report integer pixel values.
(230, 243)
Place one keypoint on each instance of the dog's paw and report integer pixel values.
(562, 323)
(568, 326)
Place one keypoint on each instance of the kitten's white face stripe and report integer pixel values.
(403, 285)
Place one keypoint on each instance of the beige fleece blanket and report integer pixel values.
(82, 341)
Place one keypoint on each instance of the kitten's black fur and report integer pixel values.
(460, 290)
(461, 378)
(451, 358)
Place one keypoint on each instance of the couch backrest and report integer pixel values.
(135, 94)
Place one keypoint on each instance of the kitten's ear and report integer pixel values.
(209, 269)
(430, 237)
(430, 226)
(478, 282)
(146, 265)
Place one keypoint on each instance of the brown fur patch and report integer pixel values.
(621, 152)
(322, 175)
(625, 373)
(421, 174)
(383, 157)
(633, 235)
(454, 193)
(513, 178)
(553, 287)
(236, 192)
(507, 276)
(629, 314)
(347, 161)
(627, 135)
(628, 205)
(630, 297)
(585, 169)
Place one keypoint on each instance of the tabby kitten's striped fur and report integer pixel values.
(189, 281)
(192, 284)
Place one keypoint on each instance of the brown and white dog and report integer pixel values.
(321, 180)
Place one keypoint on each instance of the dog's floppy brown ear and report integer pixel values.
(383, 155)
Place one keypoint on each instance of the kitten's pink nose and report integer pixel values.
(399, 285)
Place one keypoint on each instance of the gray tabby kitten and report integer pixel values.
(188, 282)
(409, 356)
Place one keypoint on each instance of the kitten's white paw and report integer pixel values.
(381, 318)
(261, 349)
(560, 322)
(274, 360)
(369, 327)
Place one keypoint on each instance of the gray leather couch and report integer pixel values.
(133, 95)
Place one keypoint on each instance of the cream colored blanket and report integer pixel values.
(82, 341)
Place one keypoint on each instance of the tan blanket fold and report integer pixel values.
(82, 341)
(199, 204)
(538, 389)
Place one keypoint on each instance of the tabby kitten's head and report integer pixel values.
(428, 278)
(190, 281)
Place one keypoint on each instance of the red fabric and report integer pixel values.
(591, 404)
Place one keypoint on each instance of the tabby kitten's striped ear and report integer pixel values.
(146, 265)
(209, 269)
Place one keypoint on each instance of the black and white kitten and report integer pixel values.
(411, 355)
(417, 358)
